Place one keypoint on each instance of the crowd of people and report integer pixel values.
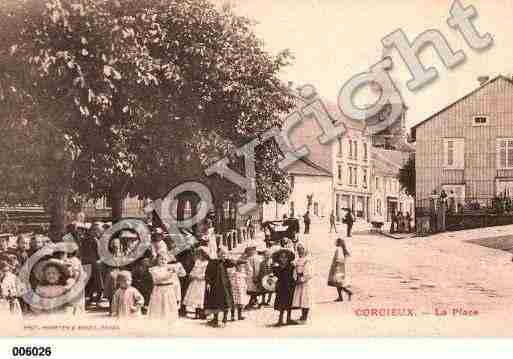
(202, 282)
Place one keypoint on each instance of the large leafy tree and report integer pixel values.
(224, 93)
(135, 96)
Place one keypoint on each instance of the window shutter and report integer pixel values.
(445, 151)
(498, 154)
(509, 161)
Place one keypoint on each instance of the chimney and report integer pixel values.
(483, 79)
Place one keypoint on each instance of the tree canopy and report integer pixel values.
(137, 95)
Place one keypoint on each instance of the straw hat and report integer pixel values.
(269, 282)
(40, 268)
(290, 255)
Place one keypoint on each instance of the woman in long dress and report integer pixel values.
(303, 274)
(195, 296)
(163, 304)
(338, 276)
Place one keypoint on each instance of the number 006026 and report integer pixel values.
(31, 351)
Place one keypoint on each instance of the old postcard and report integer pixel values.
(271, 168)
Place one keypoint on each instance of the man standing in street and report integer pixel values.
(349, 220)
(306, 219)
(332, 222)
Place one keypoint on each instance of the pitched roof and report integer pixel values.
(333, 111)
(305, 167)
(502, 77)
(389, 161)
(381, 167)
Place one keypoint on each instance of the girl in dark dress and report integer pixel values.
(218, 294)
(284, 272)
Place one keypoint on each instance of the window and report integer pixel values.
(505, 153)
(353, 176)
(187, 210)
(316, 208)
(339, 147)
(103, 203)
(365, 152)
(364, 180)
(454, 153)
(292, 208)
(340, 172)
(350, 149)
(355, 150)
(378, 206)
(480, 121)
(108, 202)
(377, 183)
(450, 153)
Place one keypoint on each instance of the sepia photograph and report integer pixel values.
(256, 169)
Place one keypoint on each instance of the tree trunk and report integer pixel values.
(116, 199)
(57, 209)
(59, 187)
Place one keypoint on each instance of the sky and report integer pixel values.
(333, 40)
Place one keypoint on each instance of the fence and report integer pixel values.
(231, 239)
(471, 212)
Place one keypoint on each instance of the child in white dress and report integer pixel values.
(9, 303)
(195, 296)
(163, 304)
(252, 268)
(303, 274)
(127, 301)
(238, 280)
(179, 272)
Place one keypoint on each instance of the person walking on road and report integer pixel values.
(338, 276)
(306, 219)
(349, 220)
(332, 222)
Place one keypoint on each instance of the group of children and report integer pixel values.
(223, 285)
(158, 285)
